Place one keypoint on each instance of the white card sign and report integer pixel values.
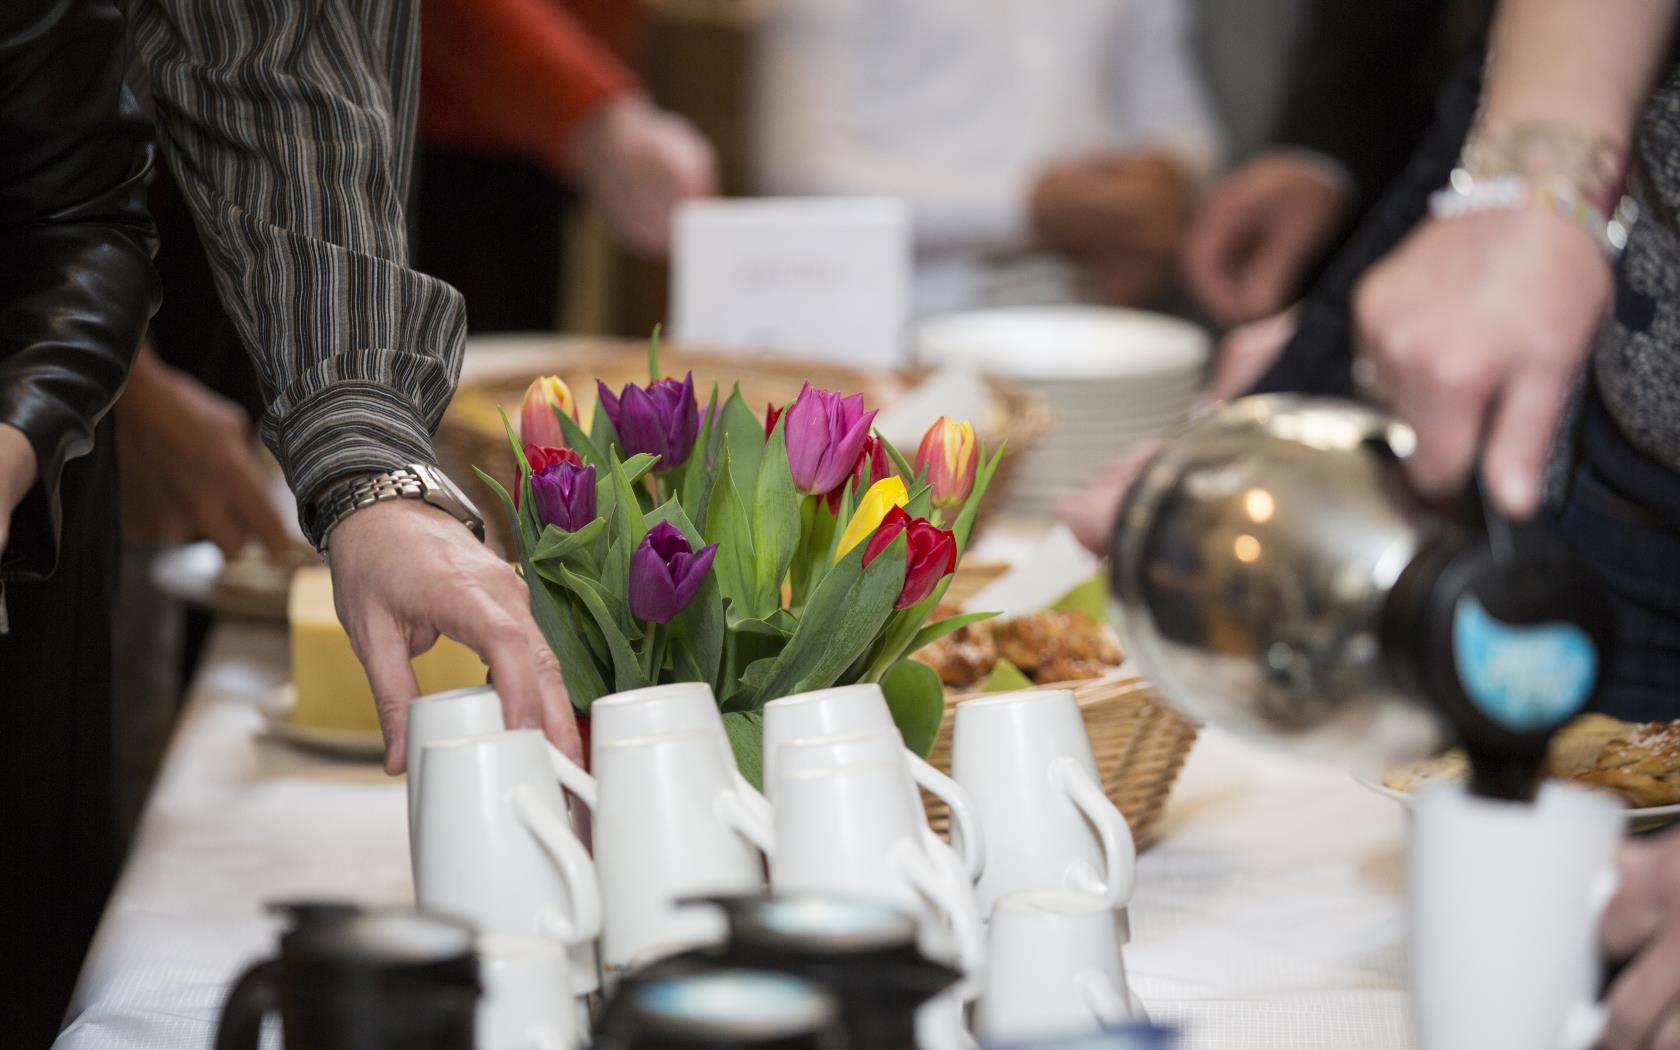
(825, 278)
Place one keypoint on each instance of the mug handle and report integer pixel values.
(965, 825)
(953, 898)
(753, 798)
(572, 777)
(1119, 851)
(1583, 1026)
(745, 819)
(1107, 1003)
(578, 871)
(255, 993)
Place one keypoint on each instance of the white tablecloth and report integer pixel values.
(1267, 916)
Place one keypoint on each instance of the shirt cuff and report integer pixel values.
(360, 422)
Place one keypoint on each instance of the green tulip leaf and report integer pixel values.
(653, 356)
(627, 521)
(524, 538)
(603, 435)
(1006, 678)
(964, 525)
(627, 666)
(745, 730)
(584, 681)
(905, 469)
(592, 454)
(527, 522)
(556, 543)
(695, 486)
(728, 526)
(921, 500)
(775, 520)
(743, 436)
(916, 697)
(840, 622)
(780, 624)
(940, 628)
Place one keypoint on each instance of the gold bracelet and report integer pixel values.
(1586, 163)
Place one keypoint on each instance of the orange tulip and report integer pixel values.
(949, 455)
(537, 425)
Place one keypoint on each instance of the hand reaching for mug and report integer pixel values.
(1474, 329)
(637, 162)
(1259, 231)
(185, 464)
(1642, 926)
(404, 573)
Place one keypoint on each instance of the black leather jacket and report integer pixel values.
(76, 243)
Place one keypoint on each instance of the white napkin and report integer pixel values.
(952, 391)
(1054, 566)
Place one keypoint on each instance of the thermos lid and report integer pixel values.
(730, 1007)
(825, 925)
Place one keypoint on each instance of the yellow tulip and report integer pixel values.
(882, 496)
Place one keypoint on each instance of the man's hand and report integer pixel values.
(1642, 925)
(637, 162)
(403, 573)
(1120, 216)
(186, 467)
(1259, 230)
(1476, 327)
(18, 468)
(1246, 352)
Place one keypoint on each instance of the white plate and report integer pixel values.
(1064, 342)
(1645, 819)
(356, 745)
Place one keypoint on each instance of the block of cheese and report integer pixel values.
(332, 689)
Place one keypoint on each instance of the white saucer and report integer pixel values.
(358, 745)
(1646, 819)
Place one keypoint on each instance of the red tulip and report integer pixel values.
(771, 414)
(541, 457)
(545, 396)
(932, 553)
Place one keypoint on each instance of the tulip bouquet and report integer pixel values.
(764, 556)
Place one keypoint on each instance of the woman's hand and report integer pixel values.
(18, 468)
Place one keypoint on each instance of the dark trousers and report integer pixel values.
(1638, 558)
(57, 816)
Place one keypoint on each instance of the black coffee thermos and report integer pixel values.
(348, 979)
(722, 1008)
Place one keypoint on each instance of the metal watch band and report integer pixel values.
(416, 481)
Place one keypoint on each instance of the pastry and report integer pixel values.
(1644, 765)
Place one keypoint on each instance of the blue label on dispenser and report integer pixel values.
(1526, 677)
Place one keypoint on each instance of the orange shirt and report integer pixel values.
(517, 76)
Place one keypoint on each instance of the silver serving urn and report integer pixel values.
(1277, 575)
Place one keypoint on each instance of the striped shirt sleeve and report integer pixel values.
(289, 125)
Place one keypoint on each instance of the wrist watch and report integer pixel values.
(413, 481)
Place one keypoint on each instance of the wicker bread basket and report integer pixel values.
(1139, 743)
(471, 433)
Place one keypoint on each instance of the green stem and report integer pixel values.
(650, 655)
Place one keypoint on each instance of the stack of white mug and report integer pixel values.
(1039, 854)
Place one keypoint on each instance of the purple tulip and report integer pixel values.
(825, 433)
(662, 420)
(666, 573)
(565, 495)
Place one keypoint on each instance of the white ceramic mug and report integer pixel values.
(846, 823)
(1505, 902)
(1054, 968)
(495, 848)
(672, 823)
(473, 711)
(861, 710)
(677, 707)
(527, 1002)
(1026, 761)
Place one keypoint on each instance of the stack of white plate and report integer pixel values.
(1113, 378)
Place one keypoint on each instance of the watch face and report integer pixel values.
(439, 481)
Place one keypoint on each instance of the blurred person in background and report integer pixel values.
(524, 106)
(1361, 94)
(1049, 152)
